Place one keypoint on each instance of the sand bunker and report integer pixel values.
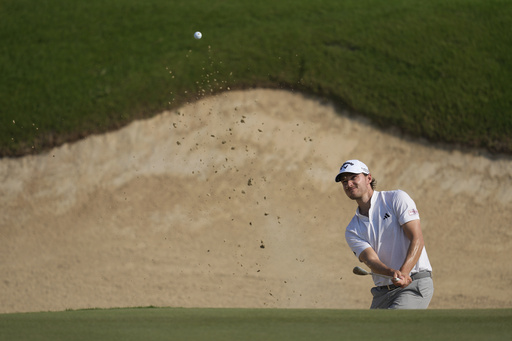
(231, 202)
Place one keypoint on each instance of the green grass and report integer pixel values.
(436, 69)
(257, 324)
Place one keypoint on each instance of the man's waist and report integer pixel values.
(415, 276)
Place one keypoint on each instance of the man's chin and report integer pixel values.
(352, 196)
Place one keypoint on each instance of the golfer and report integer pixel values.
(385, 234)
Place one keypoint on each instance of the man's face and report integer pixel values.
(355, 185)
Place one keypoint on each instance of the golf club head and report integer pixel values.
(360, 271)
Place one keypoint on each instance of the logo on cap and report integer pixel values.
(346, 164)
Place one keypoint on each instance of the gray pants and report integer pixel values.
(416, 295)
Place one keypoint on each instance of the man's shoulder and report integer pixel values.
(393, 198)
(393, 194)
(354, 220)
(353, 224)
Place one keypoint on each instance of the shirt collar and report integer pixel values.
(372, 206)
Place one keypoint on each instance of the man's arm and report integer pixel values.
(371, 259)
(413, 232)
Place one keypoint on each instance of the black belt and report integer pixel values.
(414, 276)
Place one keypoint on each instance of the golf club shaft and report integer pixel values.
(360, 271)
(372, 273)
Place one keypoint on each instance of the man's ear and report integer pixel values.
(369, 177)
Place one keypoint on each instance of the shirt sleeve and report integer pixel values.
(354, 240)
(405, 207)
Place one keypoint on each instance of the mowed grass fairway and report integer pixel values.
(437, 69)
(257, 324)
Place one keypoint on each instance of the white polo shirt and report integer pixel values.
(382, 231)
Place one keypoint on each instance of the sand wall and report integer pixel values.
(231, 202)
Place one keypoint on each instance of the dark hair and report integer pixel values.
(373, 183)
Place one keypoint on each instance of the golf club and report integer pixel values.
(362, 272)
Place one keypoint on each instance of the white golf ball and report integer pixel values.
(198, 35)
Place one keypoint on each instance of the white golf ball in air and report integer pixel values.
(198, 35)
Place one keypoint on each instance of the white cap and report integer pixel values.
(354, 167)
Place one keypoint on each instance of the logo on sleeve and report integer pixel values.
(413, 211)
(386, 216)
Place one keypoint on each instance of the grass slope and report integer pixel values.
(257, 324)
(435, 69)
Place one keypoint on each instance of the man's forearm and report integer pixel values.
(413, 232)
(370, 259)
(413, 255)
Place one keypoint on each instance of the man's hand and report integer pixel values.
(401, 280)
